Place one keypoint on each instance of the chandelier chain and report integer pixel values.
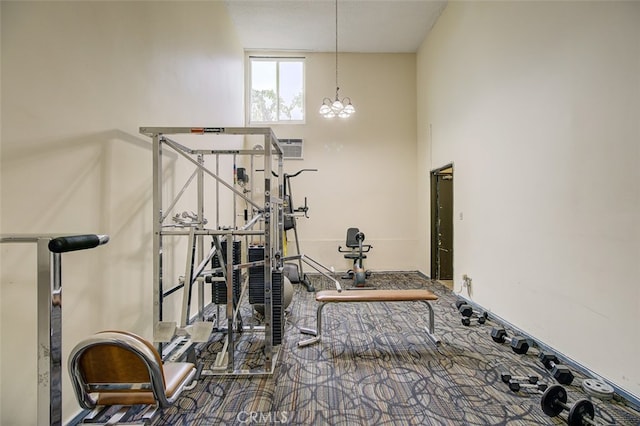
(337, 108)
(336, 48)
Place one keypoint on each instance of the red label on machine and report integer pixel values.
(207, 130)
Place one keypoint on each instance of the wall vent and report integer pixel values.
(291, 149)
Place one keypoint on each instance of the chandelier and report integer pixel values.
(337, 107)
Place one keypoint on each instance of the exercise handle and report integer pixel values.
(286, 175)
(77, 242)
(302, 170)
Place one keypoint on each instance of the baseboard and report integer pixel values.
(423, 275)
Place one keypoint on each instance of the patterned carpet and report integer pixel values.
(375, 366)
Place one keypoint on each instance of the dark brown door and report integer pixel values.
(442, 223)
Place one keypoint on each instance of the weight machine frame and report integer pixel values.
(269, 212)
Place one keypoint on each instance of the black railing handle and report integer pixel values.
(77, 242)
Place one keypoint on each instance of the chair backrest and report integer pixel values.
(117, 363)
(352, 241)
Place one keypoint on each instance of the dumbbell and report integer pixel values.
(562, 374)
(460, 302)
(517, 386)
(554, 401)
(518, 344)
(467, 312)
(506, 377)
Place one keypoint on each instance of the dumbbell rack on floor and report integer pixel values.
(584, 382)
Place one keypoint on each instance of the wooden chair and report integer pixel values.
(117, 368)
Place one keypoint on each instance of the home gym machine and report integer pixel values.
(294, 271)
(49, 311)
(355, 250)
(238, 277)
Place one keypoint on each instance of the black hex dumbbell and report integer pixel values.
(467, 312)
(518, 344)
(460, 302)
(562, 374)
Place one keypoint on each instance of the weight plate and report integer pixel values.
(597, 388)
(550, 399)
(580, 410)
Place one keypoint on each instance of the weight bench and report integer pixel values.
(335, 296)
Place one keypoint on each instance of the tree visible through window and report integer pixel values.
(277, 90)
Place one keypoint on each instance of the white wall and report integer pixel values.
(367, 168)
(78, 80)
(537, 104)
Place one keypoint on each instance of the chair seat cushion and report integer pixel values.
(125, 398)
(175, 373)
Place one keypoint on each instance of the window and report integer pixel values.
(277, 90)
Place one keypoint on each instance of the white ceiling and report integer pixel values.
(369, 26)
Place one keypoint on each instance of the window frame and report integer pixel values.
(278, 58)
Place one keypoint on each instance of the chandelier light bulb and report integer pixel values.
(324, 109)
(349, 108)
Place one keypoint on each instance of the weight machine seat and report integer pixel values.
(354, 256)
(121, 368)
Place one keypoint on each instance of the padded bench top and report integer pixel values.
(375, 295)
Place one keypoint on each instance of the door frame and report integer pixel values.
(443, 170)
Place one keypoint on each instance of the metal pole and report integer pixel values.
(235, 200)
(268, 220)
(200, 238)
(49, 337)
(228, 258)
(188, 279)
(217, 192)
(157, 237)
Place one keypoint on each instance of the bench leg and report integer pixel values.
(431, 331)
(317, 332)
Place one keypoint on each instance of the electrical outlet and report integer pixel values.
(466, 281)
